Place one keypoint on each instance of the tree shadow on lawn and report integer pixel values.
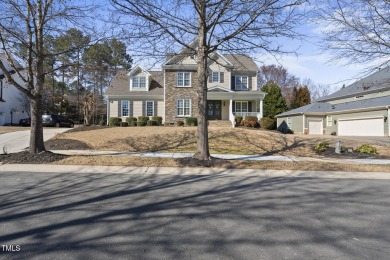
(150, 215)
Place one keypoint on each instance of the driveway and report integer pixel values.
(144, 214)
(15, 142)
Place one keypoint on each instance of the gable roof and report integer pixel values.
(327, 108)
(242, 62)
(8, 66)
(370, 84)
(120, 85)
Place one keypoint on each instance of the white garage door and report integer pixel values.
(361, 127)
(315, 127)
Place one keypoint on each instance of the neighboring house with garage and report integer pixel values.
(172, 92)
(360, 109)
(12, 108)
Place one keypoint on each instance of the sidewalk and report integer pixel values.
(227, 157)
(87, 169)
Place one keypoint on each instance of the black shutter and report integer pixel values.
(249, 83)
(234, 107)
(143, 108)
(210, 77)
(221, 77)
(155, 108)
(233, 83)
(249, 106)
(131, 107)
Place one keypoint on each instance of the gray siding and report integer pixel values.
(296, 124)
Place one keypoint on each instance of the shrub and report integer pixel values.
(158, 120)
(124, 124)
(179, 123)
(131, 119)
(251, 118)
(268, 123)
(102, 122)
(114, 121)
(151, 123)
(134, 123)
(321, 146)
(192, 121)
(238, 120)
(143, 119)
(141, 123)
(366, 148)
(250, 123)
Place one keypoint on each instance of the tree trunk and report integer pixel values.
(202, 145)
(36, 136)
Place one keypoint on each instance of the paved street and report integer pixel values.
(15, 142)
(145, 213)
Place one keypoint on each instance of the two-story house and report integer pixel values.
(11, 105)
(360, 109)
(172, 92)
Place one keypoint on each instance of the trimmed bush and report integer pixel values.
(158, 119)
(238, 120)
(250, 123)
(133, 123)
(151, 123)
(114, 121)
(192, 121)
(141, 123)
(124, 124)
(102, 122)
(366, 148)
(321, 146)
(268, 123)
(179, 123)
(131, 119)
(251, 118)
(143, 119)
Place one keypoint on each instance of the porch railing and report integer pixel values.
(244, 114)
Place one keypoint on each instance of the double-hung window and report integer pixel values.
(241, 106)
(149, 108)
(183, 79)
(215, 76)
(183, 107)
(125, 108)
(241, 83)
(139, 82)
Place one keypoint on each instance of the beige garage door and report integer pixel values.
(315, 127)
(361, 127)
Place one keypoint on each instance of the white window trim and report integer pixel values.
(329, 123)
(235, 82)
(212, 76)
(190, 108)
(146, 88)
(247, 106)
(177, 79)
(128, 107)
(146, 107)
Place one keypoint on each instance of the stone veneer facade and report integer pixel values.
(172, 93)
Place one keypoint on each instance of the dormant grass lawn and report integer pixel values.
(9, 129)
(222, 141)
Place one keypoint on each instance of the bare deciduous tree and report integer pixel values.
(23, 28)
(223, 25)
(356, 31)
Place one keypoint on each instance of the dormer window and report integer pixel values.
(139, 82)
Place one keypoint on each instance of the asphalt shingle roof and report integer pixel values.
(321, 107)
(241, 62)
(375, 81)
(120, 85)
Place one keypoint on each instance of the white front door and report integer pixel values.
(361, 127)
(315, 127)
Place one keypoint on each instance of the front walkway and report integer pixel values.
(226, 157)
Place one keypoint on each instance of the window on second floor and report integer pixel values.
(139, 82)
(241, 83)
(183, 79)
(217, 76)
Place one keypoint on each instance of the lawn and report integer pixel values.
(9, 129)
(222, 141)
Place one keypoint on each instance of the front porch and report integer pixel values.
(226, 105)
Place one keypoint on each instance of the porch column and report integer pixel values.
(231, 117)
(261, 108)
(108, 111)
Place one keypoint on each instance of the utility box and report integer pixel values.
(338, 146)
